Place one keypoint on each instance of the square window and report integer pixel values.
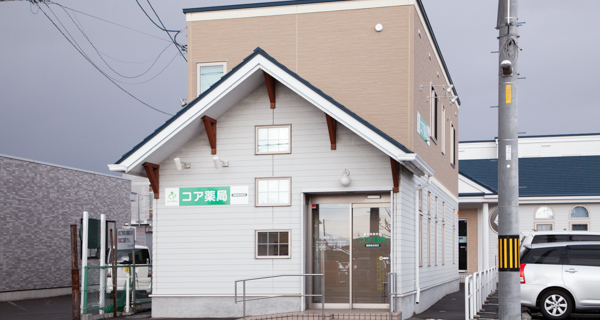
(272, 244)
(271, 192)
(544, 227)
(208, 74)
(580, 226)
(273, 139)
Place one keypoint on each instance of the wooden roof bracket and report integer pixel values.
(210, 125)
(332, 127)
(270, 82)
(395, 174)
(152, 173)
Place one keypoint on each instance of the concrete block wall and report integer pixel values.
(38, 203)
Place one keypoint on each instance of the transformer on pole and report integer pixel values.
(509, 292)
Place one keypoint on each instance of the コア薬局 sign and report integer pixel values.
(206, 196)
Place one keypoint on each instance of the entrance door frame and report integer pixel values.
(307, 257)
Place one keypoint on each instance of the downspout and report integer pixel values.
(417, 237)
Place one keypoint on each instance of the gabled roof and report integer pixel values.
(541, 177)
(232, 88)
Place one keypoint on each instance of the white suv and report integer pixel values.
(143, 273)
(561, 277)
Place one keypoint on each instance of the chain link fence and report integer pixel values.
(133, 287)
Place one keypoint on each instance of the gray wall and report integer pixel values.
(38, 202)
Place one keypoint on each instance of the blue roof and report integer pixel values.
(542, 177)
(259, 51)
(296, 2)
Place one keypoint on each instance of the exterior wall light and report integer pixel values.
(345, 179)
(181, 165)
(220, 163)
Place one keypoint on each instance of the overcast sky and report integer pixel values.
(56, 107)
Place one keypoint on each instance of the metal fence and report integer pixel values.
(478, 287)
(132, 287)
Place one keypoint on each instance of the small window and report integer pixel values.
(544, 212)
(443, 244)
(434, 114)
(272, 192)
(421, 200)
(429, 203)
(443, 130)
(543, 256)
(584, 256)
(421, 241)
(436, 243)
(579, 212)
(209, 74)
(544, 227)
(429, 241)
(273, 139)
(272, 244)
(453, 145)
(580, 226)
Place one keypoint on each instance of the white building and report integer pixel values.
(559, 189)
(263, 196)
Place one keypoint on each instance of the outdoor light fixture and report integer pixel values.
(220, 163)
(378, 27)
(507, 69)
(345, 179)
(183, 102)
(181, 165)
(453, 100)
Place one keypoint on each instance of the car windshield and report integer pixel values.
(124, 257)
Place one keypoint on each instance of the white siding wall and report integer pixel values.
(202, 250)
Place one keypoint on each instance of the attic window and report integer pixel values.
(274, 139)
(209, 74)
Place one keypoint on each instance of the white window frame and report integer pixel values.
(207, 64)
(256, 128)
(421, 240)
(289, 243)
(571, 223)
(551, 223)
(443, 244)
(429, 242)
(437, 240)
(421, 200)
(542, 206)
(443, 129)
(257, 191)
(579, 218)
(452, 145)
(433, 116)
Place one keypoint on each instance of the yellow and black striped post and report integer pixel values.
(508, 253)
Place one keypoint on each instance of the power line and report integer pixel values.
(92, 63)
(177, 45)
(107, 21)
(106, 63)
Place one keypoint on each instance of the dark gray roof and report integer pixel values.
(296, 2)
(259, 51)
(541, 177)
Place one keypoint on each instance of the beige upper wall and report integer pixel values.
(374, 74)
(427, 71)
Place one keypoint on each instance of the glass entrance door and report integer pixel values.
(371, 239)
(351, 246)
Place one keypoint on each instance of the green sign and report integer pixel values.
(422, 128)
(206, 196)
(373, 240)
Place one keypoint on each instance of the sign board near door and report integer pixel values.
(125, 239)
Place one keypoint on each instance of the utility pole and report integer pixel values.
(509, 291)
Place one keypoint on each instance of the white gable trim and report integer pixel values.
(473, 184)
(259, 63)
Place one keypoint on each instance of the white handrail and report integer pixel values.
(478, 287)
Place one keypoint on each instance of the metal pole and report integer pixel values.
(244, 304)
(102, 262)
(113, 252)
(84, 252)
(323, 293)
(75, 274)
(509, 293)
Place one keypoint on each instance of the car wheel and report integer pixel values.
(556, 305)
